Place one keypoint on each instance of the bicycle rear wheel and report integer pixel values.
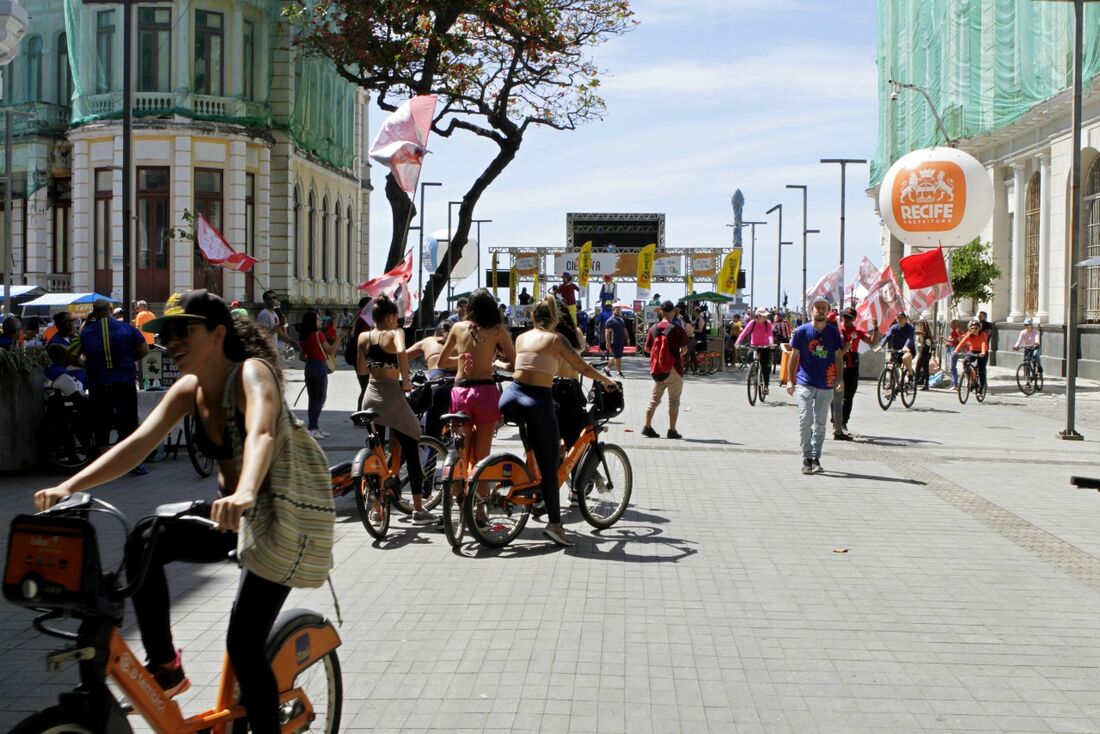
(492, 518)
(908, 388)
(454, 519)
(1025, 378)
(203, 464)
(56, 720)
(886, 388)
(373, 506)
(752, 384)
(606, 490)
(324, 688)
(432, 454)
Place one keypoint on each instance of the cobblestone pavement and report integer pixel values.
(968, 596)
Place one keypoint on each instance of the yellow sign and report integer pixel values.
(513, 276)
(645, 266)
(585, 264)
(727, 277)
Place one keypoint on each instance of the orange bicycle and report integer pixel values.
(53, 567)
(503, 487)
(378, 476)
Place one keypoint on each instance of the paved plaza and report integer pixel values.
(942, 575)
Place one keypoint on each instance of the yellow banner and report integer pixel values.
(689, 283)
(584, 264)
(535, 287)
(727, 277)
(645, 266)
(513, 276)
(495, 276)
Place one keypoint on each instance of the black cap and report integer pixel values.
(201, 305)
(849, 313)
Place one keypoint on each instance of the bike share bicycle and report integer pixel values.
(53, 567)
(970, 381)
(1029, 375)
(896, 379)
(754, 383)
(503, 487)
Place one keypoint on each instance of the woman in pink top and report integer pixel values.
(760, 331)
(1028, 340)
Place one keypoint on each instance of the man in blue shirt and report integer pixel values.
(615, 339)
(816, 360)
(601, 319)
(112, 350)
(901, 338)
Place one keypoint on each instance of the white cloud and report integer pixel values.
(695, 11)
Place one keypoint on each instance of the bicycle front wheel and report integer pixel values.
(606, 492)
(908, 388)
(1037, 378)
(966, 384)
(979, 391)
(432, 454)
(886, 389)
(454, 521)
(374, 508)
(492, 518)
(203, 464)
(752, 384)
(58, 720)
(1025, 379)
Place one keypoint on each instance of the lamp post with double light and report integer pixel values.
(779, 264)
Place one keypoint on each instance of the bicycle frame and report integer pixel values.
(526, 476)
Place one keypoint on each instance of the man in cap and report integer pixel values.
(901, 338)
(816, 352)
(851, 336)
(111, 350)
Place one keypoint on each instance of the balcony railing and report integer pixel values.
(59, 282)
(44, 117)
(167, 103)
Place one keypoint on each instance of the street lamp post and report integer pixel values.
(479, 222)
(805, 232)
(1070, 433)
(752, 256)
(843, 188)
(779, 265)
(420, 274)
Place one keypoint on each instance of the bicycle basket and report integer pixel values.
(53, 563)
(605, 403)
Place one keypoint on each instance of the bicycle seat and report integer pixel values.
(459, 418)
(364, 417)
(177, 509)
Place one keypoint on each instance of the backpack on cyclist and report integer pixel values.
(661, 363)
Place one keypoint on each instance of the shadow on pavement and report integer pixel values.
(932, 410)
(632, 545)
(893, 440)
(875, 477)
(720, 441)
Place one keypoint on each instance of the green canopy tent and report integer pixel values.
(708, 296)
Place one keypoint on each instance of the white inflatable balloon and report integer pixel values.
(936, 196)
(435, 252)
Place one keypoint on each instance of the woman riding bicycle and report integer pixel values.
(529, 400)
(474, 345)
(210, 348)
(761, 337)
(430, 348)
(1029, 341)
(975, 343)
(382, 352)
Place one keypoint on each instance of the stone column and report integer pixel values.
(36, 229)
(117, 223)
(235, 59)
(1019, 199)
(1043, 313)
(263, 224)
(82, 264)
(182, 274)
(235, 216)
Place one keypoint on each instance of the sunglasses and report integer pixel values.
(175, 329)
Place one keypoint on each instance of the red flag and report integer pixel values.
(882, 304)
(216, 251)
(403, 140)
(924, 269)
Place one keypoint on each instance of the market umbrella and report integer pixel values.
(457, 296)
(708, 296)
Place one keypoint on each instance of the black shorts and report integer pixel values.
(112, 406)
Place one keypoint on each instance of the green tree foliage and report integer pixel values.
(973, 272)
(499, 67)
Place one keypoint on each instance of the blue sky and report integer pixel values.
(704, 97)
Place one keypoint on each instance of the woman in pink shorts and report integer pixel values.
(474, 346)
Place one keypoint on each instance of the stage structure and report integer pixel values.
(610, 231)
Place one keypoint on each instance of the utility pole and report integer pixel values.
(752, 257)
(479, 222)
(779, 266)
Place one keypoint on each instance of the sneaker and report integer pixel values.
(317, 434)
(140, 470)
(324, 434)
(423, 517)
(558, 537)
(648, 432)
(620, 374)
(839, 436)
(807, 466)
(816, 466)
(171, 679)
(673, 433)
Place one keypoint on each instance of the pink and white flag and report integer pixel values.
(921, 299)
(387, 284)
(829, 286)
(402, 141)
(883, 303)
(216, 251)
(868, 273)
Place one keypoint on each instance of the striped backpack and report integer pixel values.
(287, 536)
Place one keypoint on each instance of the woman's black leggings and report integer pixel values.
(571, 410)
(254, 611)
(533, 408)
(441, 403)
(410, 452)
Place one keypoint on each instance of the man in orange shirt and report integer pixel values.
(976, 342)
(142, 316)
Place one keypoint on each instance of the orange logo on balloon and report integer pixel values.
(930, 197)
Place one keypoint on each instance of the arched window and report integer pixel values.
(34, 69)
(311, 237)
(337, 247)
(64, 72)
(296, 249)
(1031, 246)
(1092, 241)
(324, 238)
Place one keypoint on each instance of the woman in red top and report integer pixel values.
(315, 350)
(976, 342)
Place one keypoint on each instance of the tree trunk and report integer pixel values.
(403, 210)
(435, 284)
